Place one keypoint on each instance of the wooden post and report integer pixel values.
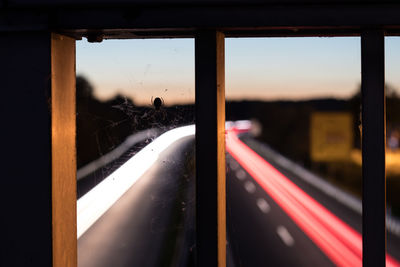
(63, 150)
(373, 147)
(210, 149)
(37, 216)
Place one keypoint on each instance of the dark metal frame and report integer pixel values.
(34, 222)
(210, 148)
(373, 147)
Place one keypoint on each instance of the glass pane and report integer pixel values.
(294, 158)
(135, 152)
(392, 87)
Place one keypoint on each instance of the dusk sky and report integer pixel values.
(256, 68)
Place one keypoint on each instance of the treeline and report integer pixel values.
(103, 125)
(286, 124)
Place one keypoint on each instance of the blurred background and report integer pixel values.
(300, 99)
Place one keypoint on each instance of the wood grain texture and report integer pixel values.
(63, 151)
(220, 46)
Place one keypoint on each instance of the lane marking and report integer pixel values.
(341, 243)
(234, 165)
(250, 187)
(285, 236)
(350, 201)
(280, 190)
(240, 174)
(316, 181)
(263, 205)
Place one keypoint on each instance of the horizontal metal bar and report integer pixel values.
(85, 3)
(183, 20)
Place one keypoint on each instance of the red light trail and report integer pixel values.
(341, 243)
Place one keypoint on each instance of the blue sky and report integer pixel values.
(256, 68)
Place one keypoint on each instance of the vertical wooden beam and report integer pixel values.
(63, 116)
(373, 147)
(210, 149)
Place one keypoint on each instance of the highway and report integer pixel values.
(260, 232)
(152, 223)
(274, 216)
(307, 226)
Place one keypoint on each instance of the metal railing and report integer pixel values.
(36, 82)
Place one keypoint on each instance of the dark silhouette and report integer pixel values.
(100, 125)
(157, 103)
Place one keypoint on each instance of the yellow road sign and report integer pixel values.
(331, 136)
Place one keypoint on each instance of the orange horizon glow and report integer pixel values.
(255, 68)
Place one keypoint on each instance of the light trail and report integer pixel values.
(341, 243)
(92, 205)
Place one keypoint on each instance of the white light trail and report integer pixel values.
(97, 201)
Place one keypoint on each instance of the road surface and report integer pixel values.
(279, 219)
(152, 224)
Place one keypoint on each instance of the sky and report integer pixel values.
(256, 68)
